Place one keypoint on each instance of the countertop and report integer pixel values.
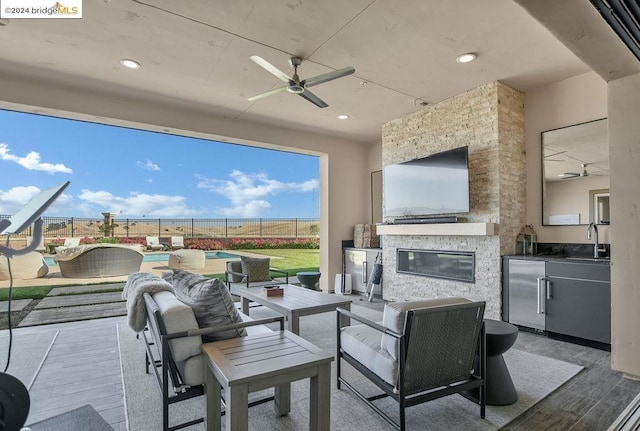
(567, 259)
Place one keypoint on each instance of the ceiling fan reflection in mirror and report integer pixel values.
(584, 173)
(294, 84)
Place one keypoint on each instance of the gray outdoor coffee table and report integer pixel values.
(296, 302)
(247, 364)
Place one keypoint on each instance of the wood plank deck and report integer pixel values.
(90, 288)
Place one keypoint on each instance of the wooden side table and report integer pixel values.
(248, 364)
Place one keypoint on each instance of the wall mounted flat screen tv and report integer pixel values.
(431, 186)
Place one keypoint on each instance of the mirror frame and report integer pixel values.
(568, 217)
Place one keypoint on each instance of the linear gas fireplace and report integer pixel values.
(451, 265)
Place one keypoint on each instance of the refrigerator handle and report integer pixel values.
(548, 289)
(540, 296)
(364, 272)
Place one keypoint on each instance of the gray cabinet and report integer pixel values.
(559, 296)
(358, 262)
(579, 300)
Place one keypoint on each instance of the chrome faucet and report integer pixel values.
(596, 246)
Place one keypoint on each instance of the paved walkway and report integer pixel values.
(73, 303)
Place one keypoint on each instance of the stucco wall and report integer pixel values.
(344, 166)
(624, 156)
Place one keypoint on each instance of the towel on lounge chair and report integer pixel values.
(136, 286)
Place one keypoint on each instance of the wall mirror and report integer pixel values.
(575, 175)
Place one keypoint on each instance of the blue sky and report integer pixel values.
(136, 173)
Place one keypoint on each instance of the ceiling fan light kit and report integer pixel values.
(294, 84)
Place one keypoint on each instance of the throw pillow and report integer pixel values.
(256, 268)
(210, 301)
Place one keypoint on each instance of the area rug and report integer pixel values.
(28, 352)
(82, 418)
(534, 377)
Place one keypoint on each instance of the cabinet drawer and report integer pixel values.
(582, 271)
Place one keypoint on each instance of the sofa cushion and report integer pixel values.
(210, 300)
(363, 344)
(255, 268)
(178, 317)
(394, 314)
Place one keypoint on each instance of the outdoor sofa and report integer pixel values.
(99, 260)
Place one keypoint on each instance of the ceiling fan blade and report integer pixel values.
(306, 94)
(329, 76)
(271, 68)
(267, 94)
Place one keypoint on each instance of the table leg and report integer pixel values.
(320, 399)
(345, 320)
(237, 414)
(293, 322)
(212, 400)
(245, 306)
(282, 399)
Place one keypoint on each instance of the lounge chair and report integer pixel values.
(251, 272)
(153, 243)
(99, 260)
(423, 350)
(177, 242)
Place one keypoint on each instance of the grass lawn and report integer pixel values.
(292, 260)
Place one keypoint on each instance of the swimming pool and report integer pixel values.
(164, 257)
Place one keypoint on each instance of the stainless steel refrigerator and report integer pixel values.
(527, 293)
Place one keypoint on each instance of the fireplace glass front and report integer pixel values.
(452, 265)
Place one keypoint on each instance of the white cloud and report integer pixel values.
(33, 162)
(12, 200)
(138, 205)
(248, 192)
(148, 165)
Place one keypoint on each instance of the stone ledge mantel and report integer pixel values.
(443, 229)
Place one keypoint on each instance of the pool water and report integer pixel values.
(164, 257)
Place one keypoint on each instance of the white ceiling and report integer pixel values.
(197, 51)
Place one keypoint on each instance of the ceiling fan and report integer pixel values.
(294, 84)
(584, 173)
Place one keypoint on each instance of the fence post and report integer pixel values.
(159, 229)
(260, 227)
(226, 228)
(296, 227)
(192, 230)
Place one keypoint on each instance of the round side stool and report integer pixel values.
(309, 279)
(187, 259)
(500, 337)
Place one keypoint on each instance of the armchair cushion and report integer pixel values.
(234, 266)
(255, 268)
(210, 301)
(362, 342)
(178, 317)
(394, 314)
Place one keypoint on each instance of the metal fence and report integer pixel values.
(64, 227)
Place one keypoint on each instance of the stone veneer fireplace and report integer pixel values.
(490, 121)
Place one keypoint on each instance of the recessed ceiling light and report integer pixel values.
(466, 58)
(342, 117)
(131, 64)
